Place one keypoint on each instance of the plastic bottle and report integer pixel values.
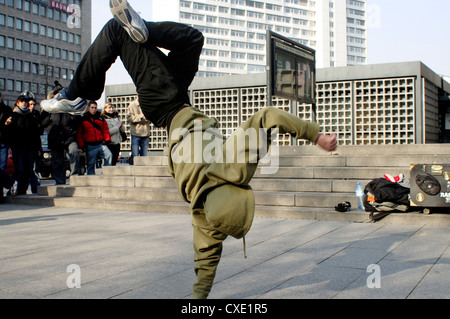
(360, 196)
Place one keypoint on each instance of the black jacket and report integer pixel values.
(63, 131)
(5, 130)
(25, 130)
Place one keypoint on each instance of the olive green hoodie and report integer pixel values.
(221, 201)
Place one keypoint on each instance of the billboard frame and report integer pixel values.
(301, 55)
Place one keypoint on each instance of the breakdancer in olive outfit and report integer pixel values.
(221, 200)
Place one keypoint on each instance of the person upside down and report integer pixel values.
(221, 201)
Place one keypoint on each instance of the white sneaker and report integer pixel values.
(13, 189)
(129, 20)
(61, 104)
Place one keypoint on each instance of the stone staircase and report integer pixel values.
(309, 183)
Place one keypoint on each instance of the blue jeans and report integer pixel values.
(3, 155)
(139, 146)
(94, 152)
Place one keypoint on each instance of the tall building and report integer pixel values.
(235, 30)
(41, 42)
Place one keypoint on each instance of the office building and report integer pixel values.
(385, 104)
(41, 42)
(235, 30)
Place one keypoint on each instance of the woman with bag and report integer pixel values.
(116, 130)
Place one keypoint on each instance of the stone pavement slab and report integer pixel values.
(134, 255)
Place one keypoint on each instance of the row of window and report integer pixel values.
(251, 68)
(250, 35)
(39, 29)
(260, 15)
(20, 86)
(43, 69)
(41, 49)
(252, 4)
(37, 9)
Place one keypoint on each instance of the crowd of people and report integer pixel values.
(96, 133)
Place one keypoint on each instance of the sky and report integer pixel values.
(398, 31)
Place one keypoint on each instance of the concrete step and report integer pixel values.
(347, 160)
(309, 213)
(343, 173)
(258, 184)
(318, 172)
(171, 195)
(112, 193)
(404, 149)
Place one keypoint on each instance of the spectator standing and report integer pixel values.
(25, 141)
(115, 126)
(92, 134)
(62, 138)
(42, 121)
(140, 130)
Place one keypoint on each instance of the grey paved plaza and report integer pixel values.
(61, 253)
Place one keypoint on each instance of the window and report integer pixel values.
(19, 65)
(19, 44)
(35, 48)
(27, 46)
(10, 64)
(35, 28)
(34, 68)
(19, 24)
(43, 30)
(10, 85)
(10, 22)
(10, 43)
(27, 26)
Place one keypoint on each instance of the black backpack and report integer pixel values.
(384, 197)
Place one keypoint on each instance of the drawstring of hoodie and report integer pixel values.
(245, 248)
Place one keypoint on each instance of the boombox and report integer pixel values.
(430, 185)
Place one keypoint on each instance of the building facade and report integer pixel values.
(385, 104)
(41, 42)
(235, 30)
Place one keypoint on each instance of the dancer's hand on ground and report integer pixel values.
(327, 142)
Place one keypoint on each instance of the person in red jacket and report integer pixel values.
(92, 135)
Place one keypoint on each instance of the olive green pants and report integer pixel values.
(202, 160)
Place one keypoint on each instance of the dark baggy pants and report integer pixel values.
(161, 81)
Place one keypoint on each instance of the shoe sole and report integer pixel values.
(123, 13)
(63, 106)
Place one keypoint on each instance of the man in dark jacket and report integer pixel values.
(62, 138)
(92, 135)
(25, 141)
